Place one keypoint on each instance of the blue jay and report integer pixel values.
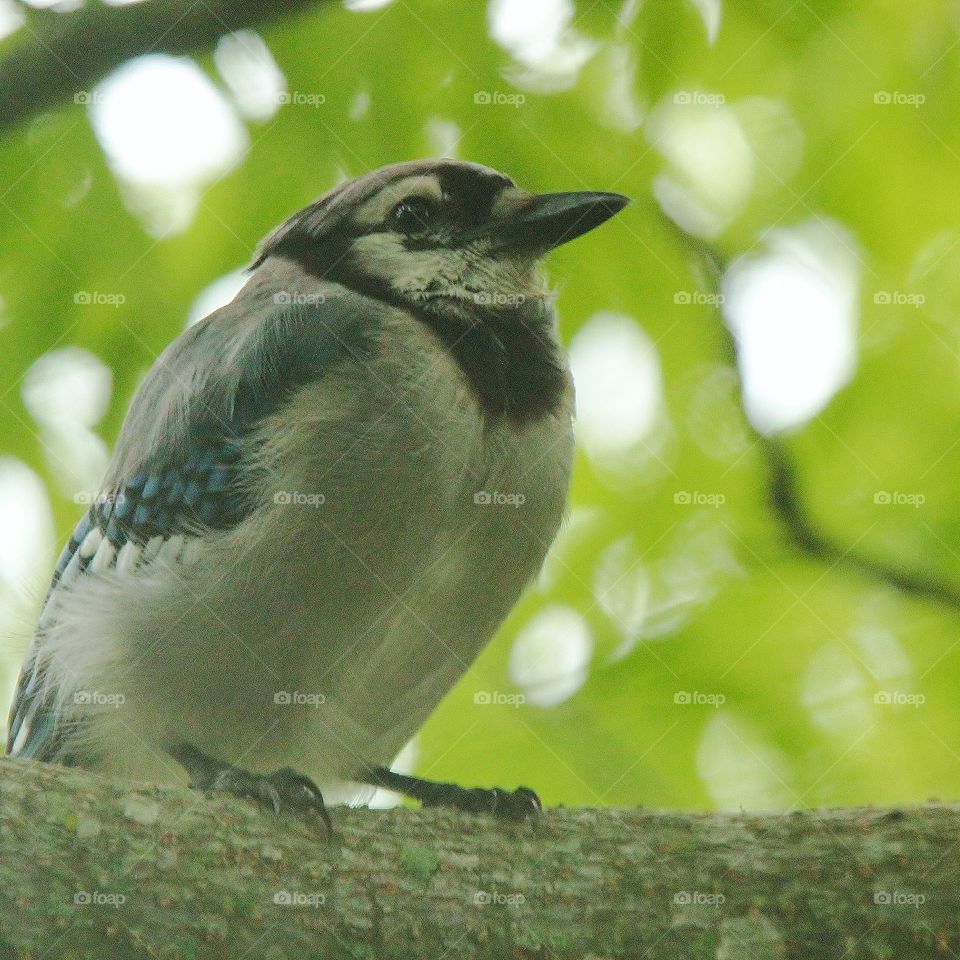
(301, 542)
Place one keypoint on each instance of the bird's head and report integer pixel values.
(437, 235)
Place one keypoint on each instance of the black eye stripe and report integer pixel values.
(473, 193)
(414, 214)
(467, 200)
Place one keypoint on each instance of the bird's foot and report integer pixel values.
(515, 805)
(284, 789)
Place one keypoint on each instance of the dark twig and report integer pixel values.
(57, 56)
(784, 493)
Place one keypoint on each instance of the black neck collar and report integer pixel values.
(508, 355)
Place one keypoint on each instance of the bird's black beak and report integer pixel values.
(546, 220)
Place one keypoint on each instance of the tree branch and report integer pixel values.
(96, 867)
(784, 493)
(787, 503)
(61, 55)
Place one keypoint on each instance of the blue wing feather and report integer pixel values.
(170, 499)
(185, 480)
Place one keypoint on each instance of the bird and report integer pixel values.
(325, 498)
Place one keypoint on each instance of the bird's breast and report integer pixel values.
(395, 466)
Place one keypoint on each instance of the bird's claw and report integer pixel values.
(520, 804)
(284, 789)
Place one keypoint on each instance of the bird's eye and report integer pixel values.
(413, 215)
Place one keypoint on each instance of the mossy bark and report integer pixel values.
(95, 868)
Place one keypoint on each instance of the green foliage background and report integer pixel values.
(798, 649)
